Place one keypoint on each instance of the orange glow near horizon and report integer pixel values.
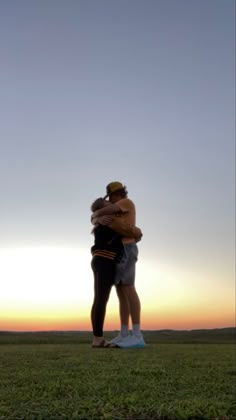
(52, 289)
(150, 321)
(22, 325)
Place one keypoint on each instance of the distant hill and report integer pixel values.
(216, 335)
(208, 336)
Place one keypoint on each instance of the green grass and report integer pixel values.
(73, 381)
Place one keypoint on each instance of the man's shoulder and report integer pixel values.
(126, 199)
(125, 203)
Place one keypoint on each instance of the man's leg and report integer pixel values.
(128, 298)
(132, 297)
(136, 339)
(126, 271)
(124, 311)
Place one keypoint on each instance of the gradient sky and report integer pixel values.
(93, 91)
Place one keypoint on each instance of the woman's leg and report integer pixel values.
(104, 271)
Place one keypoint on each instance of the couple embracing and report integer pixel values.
(114, 256)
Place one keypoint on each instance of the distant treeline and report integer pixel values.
(217, 336)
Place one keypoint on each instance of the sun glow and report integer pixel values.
(45, 284)
(48, 276)
(51, 288)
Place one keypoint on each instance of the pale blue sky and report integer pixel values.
(137, 91)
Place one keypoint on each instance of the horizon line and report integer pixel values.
(115, 330)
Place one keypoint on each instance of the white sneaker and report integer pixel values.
(119, 339)
(132, 342)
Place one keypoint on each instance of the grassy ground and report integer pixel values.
(73, 381)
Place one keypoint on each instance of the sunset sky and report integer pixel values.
(137, 91)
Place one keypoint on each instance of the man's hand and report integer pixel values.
(105, 220)
(102, 220)
(107, 210)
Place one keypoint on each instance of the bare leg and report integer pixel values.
(123, 305)
(131, 296)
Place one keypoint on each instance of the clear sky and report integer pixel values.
(143, 92)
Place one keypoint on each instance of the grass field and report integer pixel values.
(59, 376)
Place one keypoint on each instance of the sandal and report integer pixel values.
(105, 345)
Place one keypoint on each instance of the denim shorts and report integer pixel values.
(125, 269)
